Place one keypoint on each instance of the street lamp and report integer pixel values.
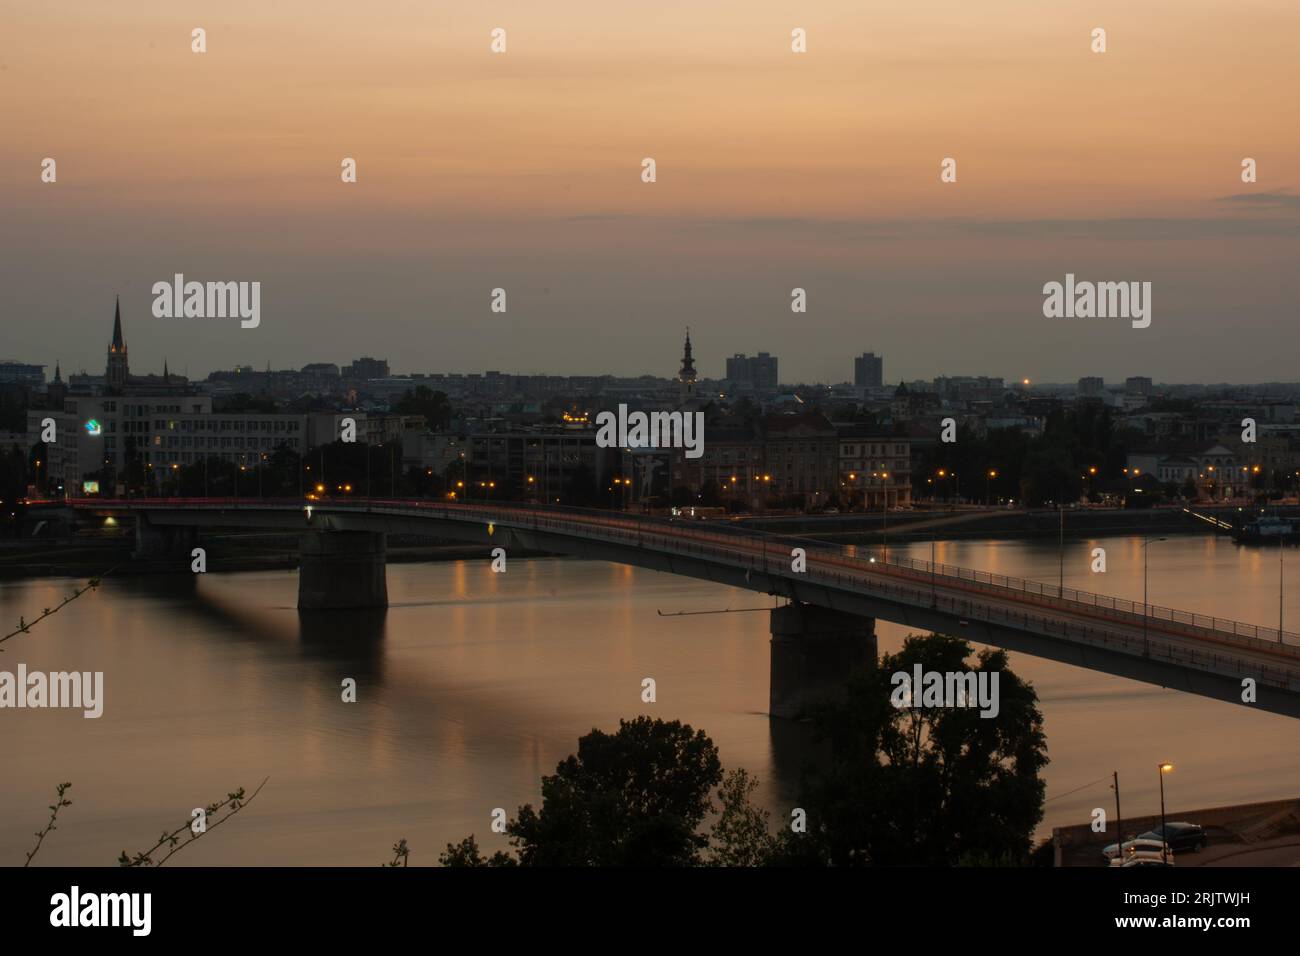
(1146, 608)
(1164, 832)
(884, 515)
(988, 480)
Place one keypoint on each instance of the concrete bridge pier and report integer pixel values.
(342, 569)
(813, 650)
(163, 541)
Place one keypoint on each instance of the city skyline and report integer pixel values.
(184, 369)
(522, 171)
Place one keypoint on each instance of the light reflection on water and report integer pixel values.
(473, 684)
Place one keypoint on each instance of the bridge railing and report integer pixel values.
(1208, 624)
(1154, 647)
(671, 533)
(1247, 636)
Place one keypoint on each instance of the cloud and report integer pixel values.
(1122, 229)
(1274, 199)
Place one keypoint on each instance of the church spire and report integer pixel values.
(118, 345)
(117, 374)
(687, 376)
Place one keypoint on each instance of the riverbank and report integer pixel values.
(91, 552)
(972, 523)
(246, 551)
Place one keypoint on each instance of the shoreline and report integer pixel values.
(82, 555)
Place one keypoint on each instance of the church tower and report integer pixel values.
(686, 377)
(117, 372)
(57, 390)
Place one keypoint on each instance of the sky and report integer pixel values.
(775, 170)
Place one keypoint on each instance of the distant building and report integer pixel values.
(1091, 387)
(117, 372)
(158, 420)
(758, 373)
(19, 373)
(1137, 385)
(969, 388)
(875, 468)
(366, 368)
(686, 376)
(533, 464)
(869, 370)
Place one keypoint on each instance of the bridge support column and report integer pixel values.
(163, 541)
(342, 569)
(813, 651)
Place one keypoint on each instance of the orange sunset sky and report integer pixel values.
(775, 170)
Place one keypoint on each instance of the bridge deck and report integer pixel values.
(1182, 638)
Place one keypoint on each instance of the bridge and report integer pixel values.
(828, 626)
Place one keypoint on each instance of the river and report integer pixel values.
(473, 684)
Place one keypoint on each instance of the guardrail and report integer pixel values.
(670, 535)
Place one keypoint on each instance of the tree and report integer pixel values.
(466, 853)
(740, 836)
(422, 400)
(633, 798)
(928, 785)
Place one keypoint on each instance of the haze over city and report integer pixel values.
(774, 172)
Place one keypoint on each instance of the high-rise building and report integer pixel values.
(20, 373)
(1091, 386)
(869, 370)
(366, 368)
(1137, 385)
(758, 372)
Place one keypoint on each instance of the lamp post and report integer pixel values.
(884, 515)
(1164, 833)
(934, 597)
(988, 481)
(1146, 607)
(1060, 547)
(1119, 818)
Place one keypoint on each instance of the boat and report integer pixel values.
(1268, 530)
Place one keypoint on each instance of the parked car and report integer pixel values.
(1146, 843)
(1144, 858)
(1180, 836)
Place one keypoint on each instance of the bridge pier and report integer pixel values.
(342, 569)
(163, 541)
(813, 650)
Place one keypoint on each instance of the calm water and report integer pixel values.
(474, 684)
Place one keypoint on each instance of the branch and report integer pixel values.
(55, 807)
(400, 853)
(235, 801)
(25, 626)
